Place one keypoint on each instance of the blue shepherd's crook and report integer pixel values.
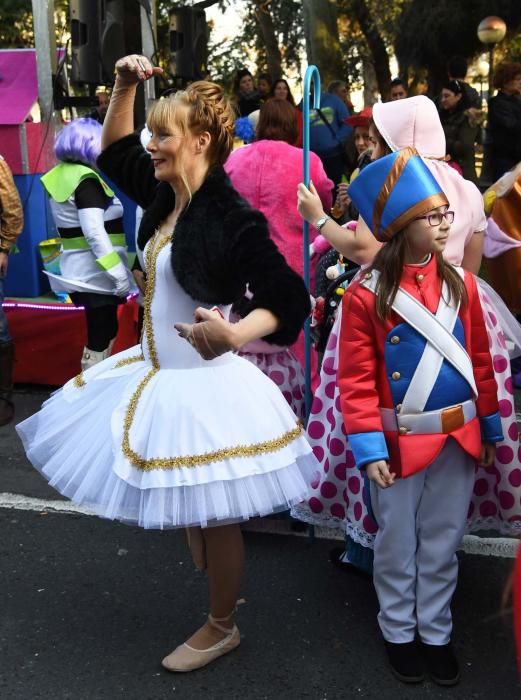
(312, 74)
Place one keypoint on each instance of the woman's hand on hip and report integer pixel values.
(134, 69)
(211, 335)
(379, 473)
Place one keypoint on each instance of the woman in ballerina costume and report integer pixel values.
(88, 216)
(420, 408)
(339, 499)
(180, 432)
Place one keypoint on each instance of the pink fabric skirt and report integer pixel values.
(286, 372)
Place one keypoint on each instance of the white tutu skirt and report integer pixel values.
(169, 448)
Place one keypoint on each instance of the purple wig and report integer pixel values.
(79, 142)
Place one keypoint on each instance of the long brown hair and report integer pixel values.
(384, 146)
(390, 261)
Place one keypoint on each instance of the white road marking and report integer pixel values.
(17, 502)
(472, 544)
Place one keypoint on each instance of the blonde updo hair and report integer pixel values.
(203, 106)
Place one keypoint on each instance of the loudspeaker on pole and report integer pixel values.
(188, 43)
(102, 31)
(85, 18)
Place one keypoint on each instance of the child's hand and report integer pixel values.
(308, 203)
(380, 474)
(488, 454)
(343, 199)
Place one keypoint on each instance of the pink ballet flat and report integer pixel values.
(185, 658)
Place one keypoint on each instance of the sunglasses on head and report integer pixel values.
(168, 92)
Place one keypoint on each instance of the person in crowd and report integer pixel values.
(266, 173)
(246, 98)
(328, 133)
(360, 124)
(339, 89)
(89, 219)
(504, 119)
(461, 126)
(281, 91)
(398, 90)
(264, 84)
(361, 141)
(416, 424)
(11, 226)
(166, 435)
(99, 112)
(496, 501)
(457, 67)
(502, 250)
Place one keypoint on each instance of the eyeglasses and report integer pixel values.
(436, 218)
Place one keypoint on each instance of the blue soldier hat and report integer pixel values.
(393, 191)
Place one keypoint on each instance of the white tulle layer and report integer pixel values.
(75, 441)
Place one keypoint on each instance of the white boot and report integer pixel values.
(92, 357)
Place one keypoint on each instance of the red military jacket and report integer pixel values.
(378, 359)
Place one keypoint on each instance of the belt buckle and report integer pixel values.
(452, 419)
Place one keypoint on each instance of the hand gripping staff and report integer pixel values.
(312, 74)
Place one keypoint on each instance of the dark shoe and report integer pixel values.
(441, 663)
(405, 661)
(6, 382)
(335, 557)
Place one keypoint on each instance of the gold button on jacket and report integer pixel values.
(395, 339)
(396, 375)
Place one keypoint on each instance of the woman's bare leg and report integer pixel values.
(225, 564)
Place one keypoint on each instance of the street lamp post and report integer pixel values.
(483, 69)
(491, 30)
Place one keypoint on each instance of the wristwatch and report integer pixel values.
(322, 221)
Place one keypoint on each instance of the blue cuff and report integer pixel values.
(368, 447)
(491, 430)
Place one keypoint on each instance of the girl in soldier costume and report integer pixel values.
(419, 403)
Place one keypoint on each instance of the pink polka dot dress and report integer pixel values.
(286, 372)
(338, 497)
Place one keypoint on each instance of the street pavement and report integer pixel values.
(89, 607)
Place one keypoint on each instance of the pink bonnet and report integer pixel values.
(411, 122)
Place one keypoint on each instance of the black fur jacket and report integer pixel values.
(220, 245)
